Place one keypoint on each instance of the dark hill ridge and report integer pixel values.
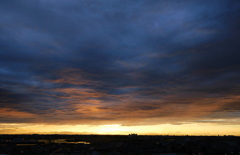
(118, 145)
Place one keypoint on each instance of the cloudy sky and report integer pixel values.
(119, 66)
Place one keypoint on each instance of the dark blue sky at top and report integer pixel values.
(81, 61)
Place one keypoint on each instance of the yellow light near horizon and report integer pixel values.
(113, 129)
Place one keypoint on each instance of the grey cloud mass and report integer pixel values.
(81, 61)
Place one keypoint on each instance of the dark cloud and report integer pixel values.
(74, 61)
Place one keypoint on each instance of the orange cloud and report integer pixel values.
(13, 113)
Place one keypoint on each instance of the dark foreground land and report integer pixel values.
(118, 145)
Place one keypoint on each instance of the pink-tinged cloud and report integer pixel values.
(15, 114)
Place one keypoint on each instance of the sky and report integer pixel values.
(120, 66)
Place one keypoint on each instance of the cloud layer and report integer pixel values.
(120, 62)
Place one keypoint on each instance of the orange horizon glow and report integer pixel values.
(120, 67)
(193, 129)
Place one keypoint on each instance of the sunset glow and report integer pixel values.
(120, 67)
(207, 129)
